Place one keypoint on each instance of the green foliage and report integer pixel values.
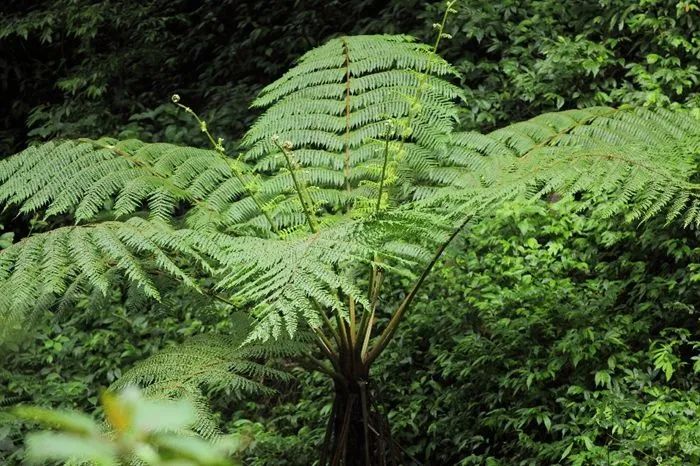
(149, 432)
(69, 63)
(520, 59)
(285, 277)
(6, 239)
(66, 261)
(644, 158)
(288, 277)
(86, 178)
(66, 361)
(348, 102)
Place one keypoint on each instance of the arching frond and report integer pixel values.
(90, 179)
(291, 280)
(40, 268)
(211, 363)
(85, 177)
(645, 160)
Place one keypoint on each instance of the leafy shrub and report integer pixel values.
(66, 363)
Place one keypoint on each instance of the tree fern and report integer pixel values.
(352, 172)
(645, 155)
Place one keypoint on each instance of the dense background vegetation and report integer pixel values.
(562, 337)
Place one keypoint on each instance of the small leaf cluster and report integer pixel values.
(150, 432)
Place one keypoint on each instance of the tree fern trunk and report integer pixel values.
(357, 433)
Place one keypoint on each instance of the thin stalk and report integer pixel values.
(375, 281)
(325, 347)
(373, 270)
(353, 319)
(381, 180)
(375, 278)
(315, 364)
(393, 324)
(329, 324)
(436, 45)
(346, 350)
(364, 330)
(366, 334)
(364, 323)
(298, 187)
(219, 149)
(377, 286)
(441, 29)
(342, 331)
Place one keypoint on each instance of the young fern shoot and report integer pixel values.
(218, 146)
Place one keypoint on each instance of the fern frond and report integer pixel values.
(85, 177)
(212, 363)
(644, 160)
(334, 107)
(289, 280)
(38, 269)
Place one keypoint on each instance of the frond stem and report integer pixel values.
(388, 333)
(342, 330)
(550, 140)
(353, 319)
(325, 346)
(219, 149)
(319, 366)
(383, 175)
(298, 187)
(331, 329)
(364, 334)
